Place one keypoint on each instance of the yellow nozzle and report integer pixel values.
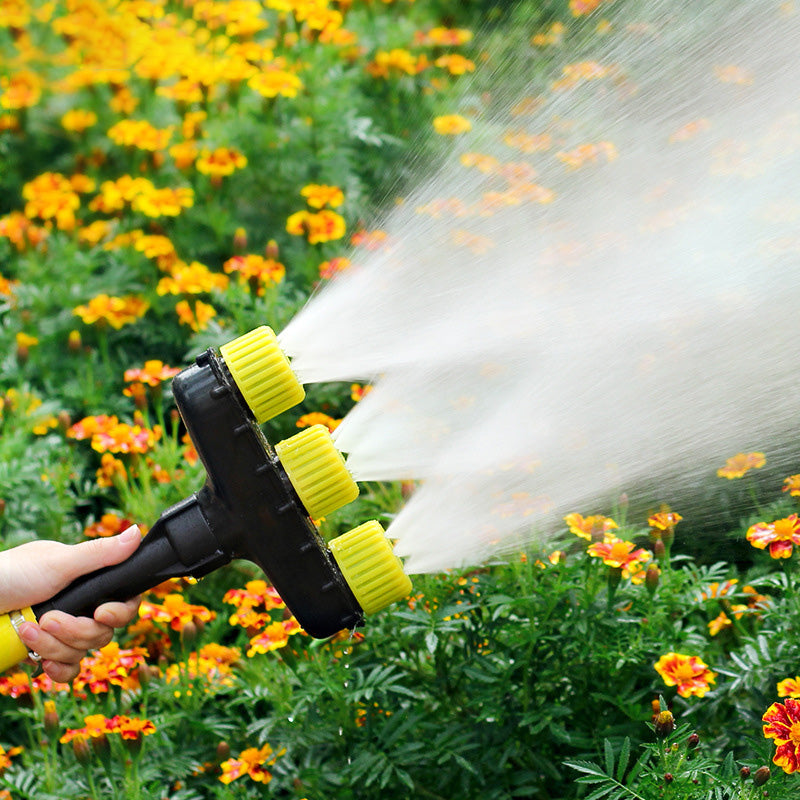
(372, 570)
(317, 471)
(12, 650)
(262, 373)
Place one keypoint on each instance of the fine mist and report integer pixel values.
(596, 293)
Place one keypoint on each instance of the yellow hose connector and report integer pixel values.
(12, 650)
(262, 372)
(373, 572)
(317, 471)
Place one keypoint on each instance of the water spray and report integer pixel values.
(258, 503)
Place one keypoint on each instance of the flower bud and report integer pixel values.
(668, 777)
(272, 251)
(64, 421)
(82, 750)
(223, 751)
(50, 718)
(239, 241)
(659, 550)
(761, 776)
(614, 577)
(664, 724)
(651, 578)
(693, 741)
(74, 342)
(188, 635)
(744, 773)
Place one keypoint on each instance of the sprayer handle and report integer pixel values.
(180, 543)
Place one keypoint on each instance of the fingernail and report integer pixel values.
(29, 632)
(51, 626)
(129, 534)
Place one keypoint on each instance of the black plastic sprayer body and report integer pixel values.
(248, 508)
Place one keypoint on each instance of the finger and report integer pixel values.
(47, 645)
(80, 633)
(61, 672)
(93, 554)
(117, 615)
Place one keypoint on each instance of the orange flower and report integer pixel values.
(327, 269)
(274, 636)
(587, 153)
(194, 278)
(131, 728)
(107, 525)
(124, 438)
(251, 762)
(780, 536)
(140, 134)
(398, 61)
(175, 611)
(451, 124)
(114, 311)
(792, 485)
(213, 663)
(441, 36)
(220, 162)
(271, 82)
(783, 727)
(153, 373)
(321, 195)
(620, 554)
(716, 589)
(358, 392)
(322, 226)
(6, 756)
(165, 202)
(664, 520)
(689, 673)
(455, 64)
(318, 418)
(740, 464)
(77, 120)
(789, 687)
(21, 89)
(110, 666)
(196, 318)
(51, 196)
(587, 527)
(580, 8)
(264, 271)
(18, 684)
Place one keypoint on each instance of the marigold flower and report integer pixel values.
(271, 82)
(319, 227)
(21, 89)
(108, 525)
(327, 269)
(359, 392)
(131, 728)
(197, 317)
(723, 621)
(252, 762)
(265, 272)
(321, 195)
(175, 611)
(451, 124)
(455, 64)
(273, 637)
(220, 162)
(619, 554)
(194, 278)
(165, 202)
(783, 727)
(89, 426)
(789, 687)
(396, 61)
(780, 536)
(587, 527)
(124, 438)
(6, 756)
(739, 465)
(664, 520)
(318, 418)
(110, 666)
(139, 134)
(441, 36)
(212, 663)
(153, 373)
(689, 673)
(95, 232)
(580, 8)
(155, 246)
(77, 120)
(792, 485)
(51, 196)
(716, 589)
(114, 311)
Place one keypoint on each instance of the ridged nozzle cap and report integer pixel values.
(262, 372)
(373, 572)
(317, 471)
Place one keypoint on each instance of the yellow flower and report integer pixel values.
(689, 673)
(271, 82)
(194, 278)
(451, 125)
(115, 311)
(77, 120)
(321, 195)
(739, 465)
(196, 318)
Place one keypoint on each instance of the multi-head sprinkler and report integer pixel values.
(258, 503)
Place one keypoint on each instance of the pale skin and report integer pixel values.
(34, 572)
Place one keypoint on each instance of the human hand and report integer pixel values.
(34, 572)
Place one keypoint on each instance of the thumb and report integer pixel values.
(96, 553)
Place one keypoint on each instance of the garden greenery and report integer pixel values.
(176, 172)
